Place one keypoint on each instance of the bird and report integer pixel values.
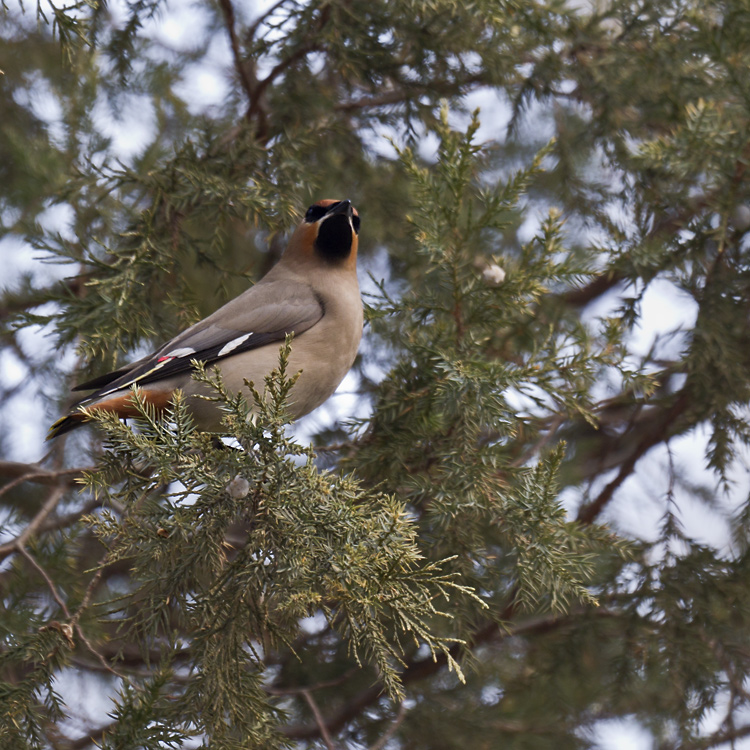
(312, 293)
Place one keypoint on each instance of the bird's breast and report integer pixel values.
(322, 355)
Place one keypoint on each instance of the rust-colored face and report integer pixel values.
(328, 231)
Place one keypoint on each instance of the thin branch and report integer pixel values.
(50, 504)
(72, 620)
(70, 518)
(17, 302)
(94, 737)
(22, 472)
(258, 22)
(669, 224)
(598, 286)
(539, 445)
(312, 688)
(89, 591)
(588, 513)
(418, 670)
(326, 737)
(398, 95)
(279, 68)
(719, 738)
(395, 96)
(50, 583)
(242, 68)
(132, 658)
(257, 106)
(392, 729)
(99, 657)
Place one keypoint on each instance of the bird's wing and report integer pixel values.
(263, 314)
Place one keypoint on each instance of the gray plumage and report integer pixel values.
(312, 292)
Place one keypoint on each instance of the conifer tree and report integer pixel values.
(450, 558)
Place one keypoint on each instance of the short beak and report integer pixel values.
(342, 207)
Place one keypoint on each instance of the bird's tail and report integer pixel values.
(65, 424)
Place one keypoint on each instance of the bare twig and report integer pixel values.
(94, 738)
(72, 620)
(279, 68)
(252, 30)
(720, 737)
(396, 95)
(325, 736)
(311, 688)
(50, 583)
(392, 729)
(99, 657)
(90, 590)
(50, 504)
(22, 472)
(70, 518)
(418, 670)
(533, 450)
(590, 511)
(242, 68)
(257, 105)
(598, 286)
(14, 303)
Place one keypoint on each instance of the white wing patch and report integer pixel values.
(233, 344)
(178, 353)
(185, 351)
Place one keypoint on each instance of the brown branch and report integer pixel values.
(50, 504)
(392, 729)
(22, 472)
(70, 518)
(553, 426)
(99, 657)
(72, 620)
(256, 24)
(18, 302)
(357, 704)
(418, 670)
(278, 69)
(397, 95)
(257, 105)
(89, 591)
(95, 738)
(246, 79)
(589, 512)
(38, 523)
(50, 583)
(271, 690)
(325, 736)
(719, 738)
(594, 289)
(669, 225)
(132, 657)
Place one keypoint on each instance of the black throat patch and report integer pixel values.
(334, 241)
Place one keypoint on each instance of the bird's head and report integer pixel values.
(328, 231)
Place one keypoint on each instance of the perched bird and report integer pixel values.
(311, 292)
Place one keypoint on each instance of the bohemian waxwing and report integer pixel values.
(311, 292)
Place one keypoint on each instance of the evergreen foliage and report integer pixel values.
(455, 566)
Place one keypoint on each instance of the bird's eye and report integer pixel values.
(314, 213)
(355, 223)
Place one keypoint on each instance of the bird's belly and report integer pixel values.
(322, 359)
